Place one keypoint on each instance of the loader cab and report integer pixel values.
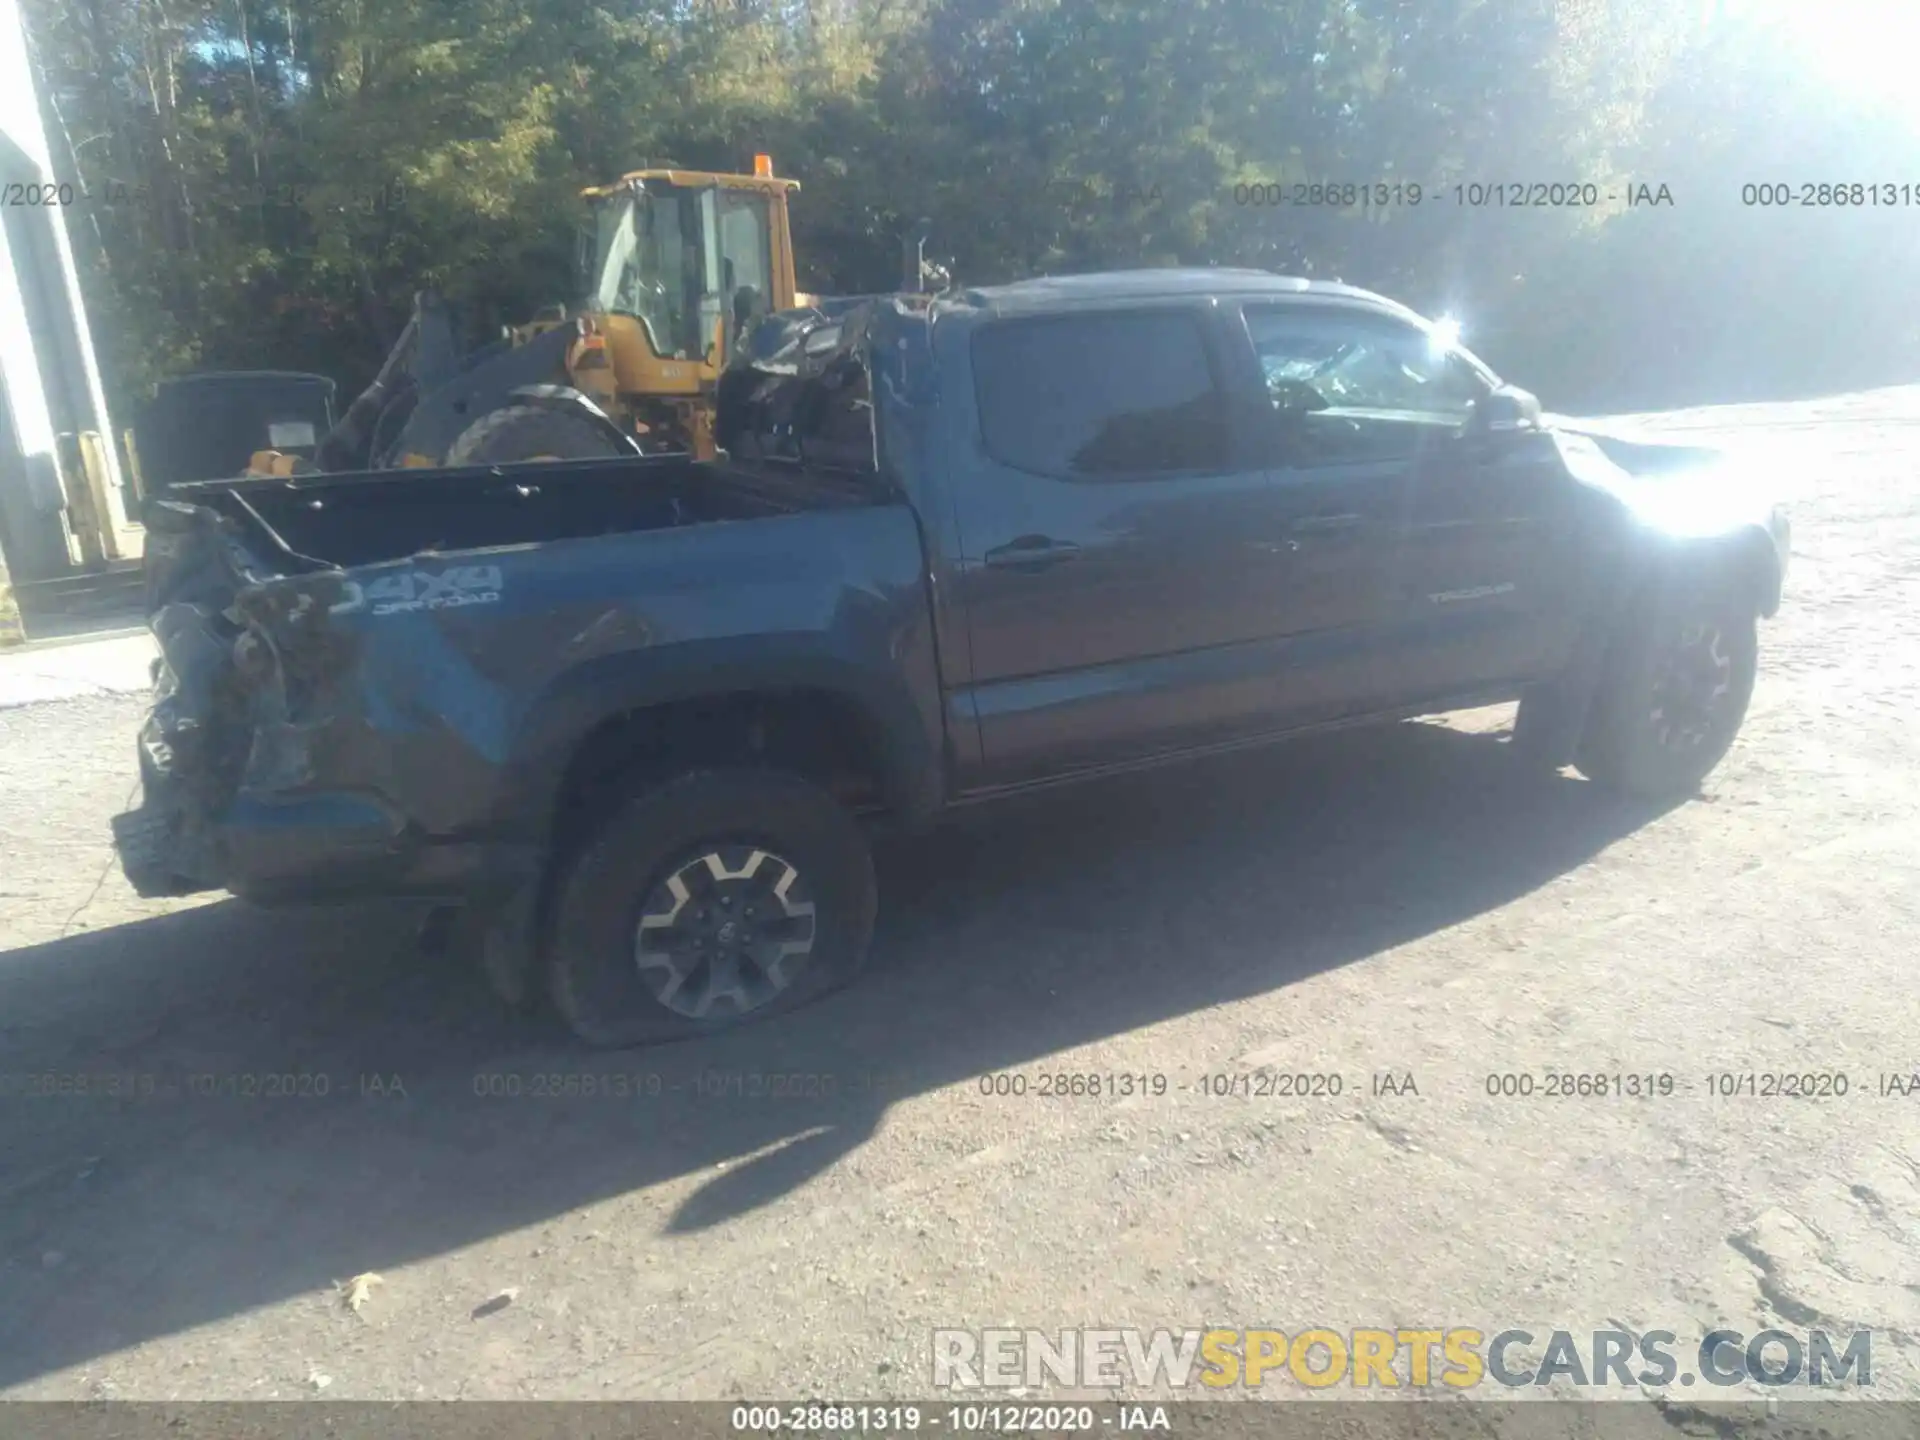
(688, 261)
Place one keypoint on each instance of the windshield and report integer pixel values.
(639, 267)
(683, 262)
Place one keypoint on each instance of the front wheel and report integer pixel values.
(1674, 696)
(719, 897)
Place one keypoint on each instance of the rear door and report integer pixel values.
(1122, 548)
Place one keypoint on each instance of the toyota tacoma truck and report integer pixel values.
(639, 717)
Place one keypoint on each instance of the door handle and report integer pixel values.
(1030, 552)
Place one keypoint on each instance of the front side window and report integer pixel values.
(1347, 385)
(1109, 396)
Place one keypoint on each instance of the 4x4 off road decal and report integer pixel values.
(413, 590)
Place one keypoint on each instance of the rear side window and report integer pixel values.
(1100, 396)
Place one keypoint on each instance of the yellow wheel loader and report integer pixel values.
(676, 267)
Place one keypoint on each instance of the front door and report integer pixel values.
(1471, 586)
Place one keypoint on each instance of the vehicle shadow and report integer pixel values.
(1020, 931)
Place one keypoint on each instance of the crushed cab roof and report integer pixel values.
(1065, 292)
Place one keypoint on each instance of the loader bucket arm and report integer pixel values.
(421, 358)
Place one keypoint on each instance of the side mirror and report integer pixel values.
(1504, 412)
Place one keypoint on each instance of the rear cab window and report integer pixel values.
(1101, 396)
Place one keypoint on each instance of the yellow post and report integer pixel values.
(12, 631)
(133, 463)
(94, 469)
(85, 517)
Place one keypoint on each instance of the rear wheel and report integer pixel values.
(719, 897)
(1675, 694)
(521, 433)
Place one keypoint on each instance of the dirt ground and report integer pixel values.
(1388, 902)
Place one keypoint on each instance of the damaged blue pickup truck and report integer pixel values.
(639, 716)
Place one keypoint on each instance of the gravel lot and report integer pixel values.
(1387, 902)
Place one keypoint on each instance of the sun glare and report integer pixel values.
(1862, 47)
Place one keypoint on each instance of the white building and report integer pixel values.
(51, 402)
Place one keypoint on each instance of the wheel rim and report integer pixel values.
(725, 932)
(1691, 685)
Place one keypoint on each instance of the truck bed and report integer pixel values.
(347, 520)
(375, 679)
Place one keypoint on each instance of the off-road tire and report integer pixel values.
(521, 433)
(1622, 746)
(594, 964)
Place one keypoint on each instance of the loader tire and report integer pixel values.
(522, 433)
